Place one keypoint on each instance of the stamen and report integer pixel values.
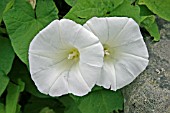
(73, 55)
(70, 56)
(106, 52)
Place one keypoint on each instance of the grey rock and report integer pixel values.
(150, 91)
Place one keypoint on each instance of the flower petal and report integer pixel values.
(48, 39)
(85, 38)
(114, 31)
(107, 78)
(77, 85)
(137, 48)
(99, 27)
(51, 69)
(128, 55)
(122, 31)
(60, 86)
(89, 73)
(42, 60)
(128, 68)
(121, 71)
(43, 82)
(92, 55)
(79, 80)
(46, 78)
(69, 31)
(46, 48)
(74, 34)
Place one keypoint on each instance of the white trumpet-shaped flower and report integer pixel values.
(125, 53)
(65, 58)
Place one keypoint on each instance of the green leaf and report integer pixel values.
(3, 82)
(102, 101)
(6, 55)
(132, 1)
(96, 88)
(20, 71)
(23, 23)
(86, 9)
(128, 10)
(99, 101)
(2, 108)
(69, 103)
(149, 23)
(36, 105)
(13, 92)
(153, 31)
(18, 110)
(9, 5)
(71, 2)
(3, 31)
(144, 11)
(3, 4)
(159, 7)
(47, 110)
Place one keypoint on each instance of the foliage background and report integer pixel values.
(20, 22)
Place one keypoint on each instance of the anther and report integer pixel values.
(106, 52)
(72, 55)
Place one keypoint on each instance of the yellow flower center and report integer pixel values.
(73, 54)
(106, 50)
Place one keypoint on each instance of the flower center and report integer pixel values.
(106, 50)
(74, 53)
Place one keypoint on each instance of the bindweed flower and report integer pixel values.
(125, 53)
(65, 58)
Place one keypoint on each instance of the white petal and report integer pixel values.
(92, 55)
(46, 48)
(137, 48)
(128, 68)
(122, 31)
(48, 39)
(99, 27)
(122, 71)
(69, 31)
(45, 78)
(114, 31)
(50, 68)
(60, 86)
(89, 73)
(107, 78)
(85, 38)
(77, 85)
(134, 64)
(128, 52)
(42, 60)
(116, 25)
(43, 82)
(76, 35)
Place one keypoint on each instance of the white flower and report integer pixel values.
(65, 58)
(125, 53)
